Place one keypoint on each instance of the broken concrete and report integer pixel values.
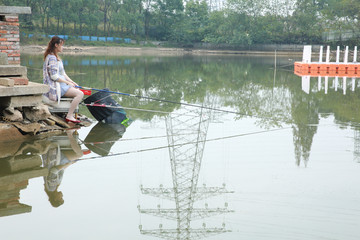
(36, 114)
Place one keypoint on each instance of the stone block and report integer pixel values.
(7, 82)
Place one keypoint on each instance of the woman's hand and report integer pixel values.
(73, 84)
(70, 82)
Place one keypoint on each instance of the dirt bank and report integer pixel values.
(155, 51)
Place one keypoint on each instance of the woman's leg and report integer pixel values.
(78, 96)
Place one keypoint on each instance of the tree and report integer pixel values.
(167, 13)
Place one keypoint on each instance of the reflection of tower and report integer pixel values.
(357, 145)
(186, 138)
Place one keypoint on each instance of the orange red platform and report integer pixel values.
(314, 69)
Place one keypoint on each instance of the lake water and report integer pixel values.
(267, 156)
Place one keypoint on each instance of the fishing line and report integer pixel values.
(132, 139)
(168, 101)
(182, 144)
(135, 109)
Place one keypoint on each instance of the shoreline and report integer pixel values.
(149, 51)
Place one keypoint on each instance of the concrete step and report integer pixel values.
(24, 90)
(13, 71)
(21, 101)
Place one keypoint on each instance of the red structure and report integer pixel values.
(9, 32)
(327, 68)
(315, 69)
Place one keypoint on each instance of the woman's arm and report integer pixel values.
(54, 72)
(70, 80)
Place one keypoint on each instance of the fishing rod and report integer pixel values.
(167, 101)
(182, 144)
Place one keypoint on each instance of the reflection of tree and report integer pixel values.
(185, 159)
(303, 135)
(357, 145)
(305, 118)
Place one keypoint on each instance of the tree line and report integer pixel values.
(237, 22)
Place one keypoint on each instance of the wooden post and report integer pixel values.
(346, 54)
(320, 54)
(338, 54)
(355, 54)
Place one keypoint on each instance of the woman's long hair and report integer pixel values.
(51, 46)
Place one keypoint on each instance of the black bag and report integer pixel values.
(106, 113)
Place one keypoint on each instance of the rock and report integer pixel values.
(9, 110)
(31, 128)
(13, 115)
(38, 113)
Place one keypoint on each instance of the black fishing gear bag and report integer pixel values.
(104, 108)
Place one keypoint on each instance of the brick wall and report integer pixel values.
(10, 38)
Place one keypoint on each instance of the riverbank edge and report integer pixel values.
(150, 51)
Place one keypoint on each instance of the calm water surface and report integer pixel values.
(285, 167)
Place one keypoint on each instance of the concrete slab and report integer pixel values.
(14, 10)
(21, 101)
(23, 90)
(13, 70)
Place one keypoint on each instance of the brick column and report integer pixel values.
(9, 38)
(9, 32)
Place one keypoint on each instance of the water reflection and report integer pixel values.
(186, 135)
(337, 82)
(64, 152)
(19, 162)
(103, 136)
